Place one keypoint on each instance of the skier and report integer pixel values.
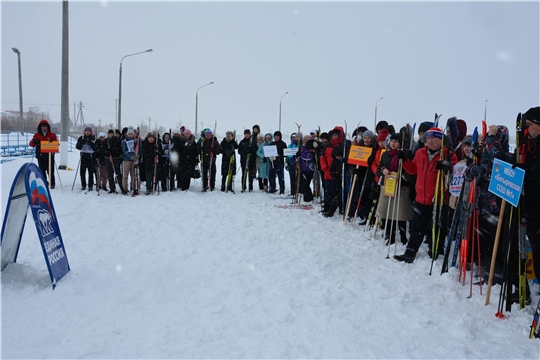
(277, 166)
(188, 160)
(387, 205)
(265, 163)
(164, 162)
(177, 141)
(425, 164)
(306, 157)
(290, 163)
(128, 159)
(208, 148)
(101, 154)
(247, 149)
(113, 160)
(150, 149)
(86, 144)
(44, 134)
(228, 148)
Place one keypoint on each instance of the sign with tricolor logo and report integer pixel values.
(506, 182)
(30, 190)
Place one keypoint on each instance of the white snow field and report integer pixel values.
(221, 275)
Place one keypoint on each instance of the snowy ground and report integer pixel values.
(215, 275)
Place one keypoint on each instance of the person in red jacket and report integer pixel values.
(44, 134)
(426, 164)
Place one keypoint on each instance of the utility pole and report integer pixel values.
(64, 102)
(149, 127)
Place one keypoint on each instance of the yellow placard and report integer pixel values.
(50, 146)
(359, 155)
(390, 184)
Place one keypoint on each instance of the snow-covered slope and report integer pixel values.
(216, 275)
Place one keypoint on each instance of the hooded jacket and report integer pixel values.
(39, 137)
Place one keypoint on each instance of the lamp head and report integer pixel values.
(15, 50)
(149, 50)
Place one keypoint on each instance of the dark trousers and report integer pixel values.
(43, 164)
(422, 215)
(277, 170)
(292, 179)
(305, 185)
(112, 169)
(87, 165)
(212, 170)
(249, 176)
(533, 233)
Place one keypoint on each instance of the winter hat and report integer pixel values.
(166, 136)
(260, 136)
(88, 128)
(396, 137)
(182, 128)
(102, 134)
(306, 138)
(124, 130)
(368, 133)
(207, 131)
(150, 134)
(324, 135)
(381, 125)
(229, 133)
(247, 132)
(117, 132)
(130, 131)
(533, 114)
(382, 135)
(187, 133)
(111, 130)
(293, 136)
(425, 126)
(176, 132)
(313, 131)
(278, 133)
(467, 140)
(434, 132)
(256, 127)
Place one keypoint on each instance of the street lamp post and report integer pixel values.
(16, 51)
(197, 106)
(119, 121)
(280, 110)
(375, 125)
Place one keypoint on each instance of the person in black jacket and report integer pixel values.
(277, 167)
(228, 160)
(150, 154)
(188, 160)
(113, 160)
(86, 145)
(208, 148)
(101, 169)
(247, 149)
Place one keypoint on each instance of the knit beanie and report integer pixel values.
(368, 133)
(425, 126)
(187, 133)
(396, 137)
(434, 132)
(278, 133)
(533, 114)
(247, 132)
(467, 140)
(307, 138)
(382, 135)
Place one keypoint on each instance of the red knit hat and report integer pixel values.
(434, 132)
(383, 134)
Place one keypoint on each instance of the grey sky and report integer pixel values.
(335, 60)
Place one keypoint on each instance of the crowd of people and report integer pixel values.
(404, 189)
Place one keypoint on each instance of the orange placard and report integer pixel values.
(50, 146)
(359, 155)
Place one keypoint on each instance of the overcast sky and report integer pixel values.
(334, 59)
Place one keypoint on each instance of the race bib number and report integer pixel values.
(457, 179)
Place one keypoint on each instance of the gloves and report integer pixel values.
(272, 158)
(444, 165)
(470, 161)
(472, 172)
(358, 171)
(401, 154)
(134, 158)
(264, 160)
(520, 165)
